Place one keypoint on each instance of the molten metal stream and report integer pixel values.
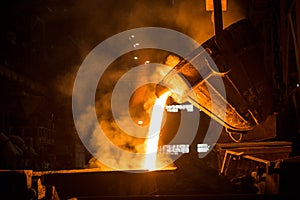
(154, 130)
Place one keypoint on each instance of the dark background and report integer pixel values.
(43, 43)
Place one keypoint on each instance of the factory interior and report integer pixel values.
(229, 127)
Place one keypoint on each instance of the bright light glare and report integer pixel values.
(154, 130)
(136, 45)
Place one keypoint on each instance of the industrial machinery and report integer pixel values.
(225, 78)
(237, 63)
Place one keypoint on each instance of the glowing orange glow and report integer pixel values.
(154, 130)
(210, 5)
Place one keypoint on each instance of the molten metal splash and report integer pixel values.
(154, 130)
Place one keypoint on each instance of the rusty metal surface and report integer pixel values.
(240, 63)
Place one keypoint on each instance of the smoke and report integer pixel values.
(195, 21)
(129, 142)
(237, 10)
(64, 82)
(94, 21)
